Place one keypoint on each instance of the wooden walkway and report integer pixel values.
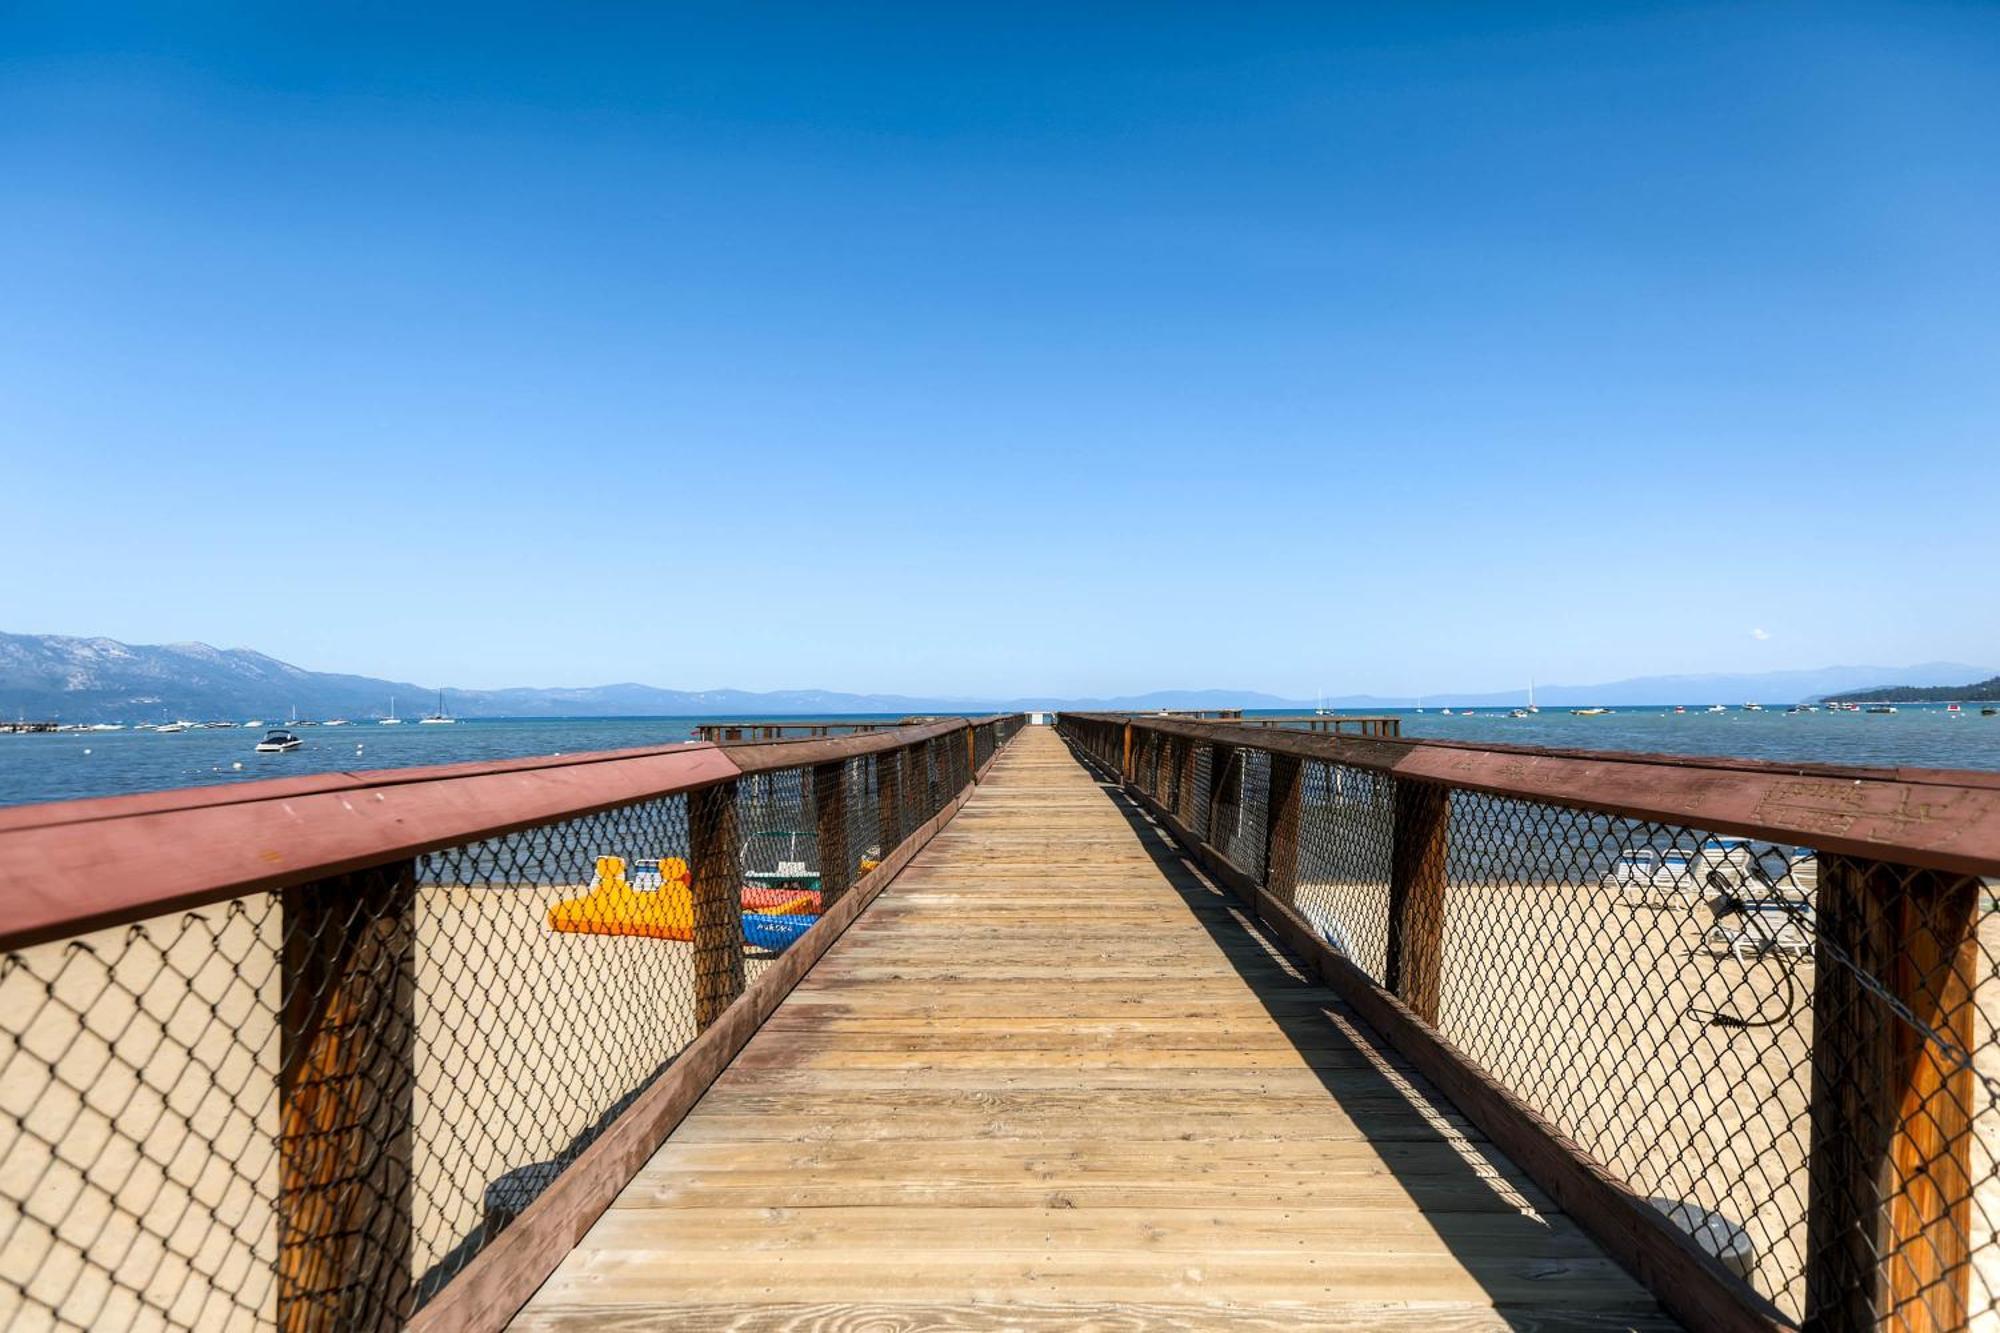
(1051, 1079)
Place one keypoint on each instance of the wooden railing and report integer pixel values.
(1764, 1078)
(314, 1053)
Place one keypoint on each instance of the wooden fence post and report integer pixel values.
(836, 859)
(347, 1074)
(1184, 798)
(718, 902)
(971, 756)
(1889, 1167)
(888, 800)
(1281, 827)
(1219, 760)
(1417, 869)
(1125, 764)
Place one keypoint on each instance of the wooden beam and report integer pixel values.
(836, 858)
(1889, 1209)
(1419, 847)
(1281, 827)
(346, 1083)
(718, 901)
(888, 799)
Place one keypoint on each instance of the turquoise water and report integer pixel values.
(1925, 736)
(69, 765)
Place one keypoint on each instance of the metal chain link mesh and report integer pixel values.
(325, 1101)
(1652, 990)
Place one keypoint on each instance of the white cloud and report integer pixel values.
(1760, 634)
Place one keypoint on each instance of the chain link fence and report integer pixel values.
(313, 1106)
(1789, 1051)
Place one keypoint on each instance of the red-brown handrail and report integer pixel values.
(1894, 924)
(1940, 819)
(68, 867)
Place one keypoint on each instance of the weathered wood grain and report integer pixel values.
(1050, 1080)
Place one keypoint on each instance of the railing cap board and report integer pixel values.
(63, 877)
(1937, 818)
(69, 867)
(772, 755)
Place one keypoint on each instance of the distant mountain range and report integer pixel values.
(1985, 691)
(50, 676)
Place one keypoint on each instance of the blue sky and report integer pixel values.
(1017, 349)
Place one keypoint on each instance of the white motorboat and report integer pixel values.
(278, 742)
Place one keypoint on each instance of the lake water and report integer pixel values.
(69, 765)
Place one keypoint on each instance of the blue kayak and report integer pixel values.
(776, 933)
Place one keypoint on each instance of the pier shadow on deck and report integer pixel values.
(1054, 1078)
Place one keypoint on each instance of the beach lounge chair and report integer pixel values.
(1651, 874)
(1754, 927)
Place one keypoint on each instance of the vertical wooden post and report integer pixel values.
(718, 901)
(1218, 778)
(1417, 863)
(920, 787)
(1125, 764)
(836, 859)
(1184, 805)
(1281, 827)
(1889, 1167)
(346, 1079)
(889, 799)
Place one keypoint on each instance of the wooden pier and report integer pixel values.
(1128, 1022)
(1053, 1078)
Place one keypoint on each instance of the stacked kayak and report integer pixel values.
(776, 931)
(657, 902)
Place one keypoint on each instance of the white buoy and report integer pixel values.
(238, 765)
(86, 749)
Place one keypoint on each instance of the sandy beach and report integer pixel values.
(1597, 1010)
(145, 1077)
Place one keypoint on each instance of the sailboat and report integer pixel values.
(392, 720)
(439, 718)
(1531, 696)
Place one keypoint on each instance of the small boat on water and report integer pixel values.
(1753, 708)
(1881, 708)
(392, 720)
(1717, 708)
(166, 728)
(1989, 712)
(439, 718)
(1589, 712)
(278, 742)
(1517, 712)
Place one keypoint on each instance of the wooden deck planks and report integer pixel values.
(1051, 1080)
